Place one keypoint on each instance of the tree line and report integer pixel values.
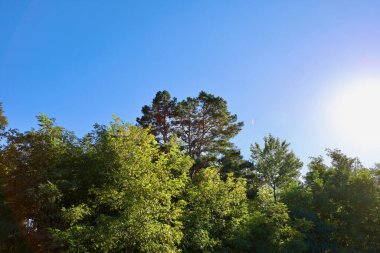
(175, 182)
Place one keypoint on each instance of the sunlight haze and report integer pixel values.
(353, 114)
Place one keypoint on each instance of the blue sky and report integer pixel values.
(275, 62)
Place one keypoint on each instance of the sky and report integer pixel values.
(305, 71)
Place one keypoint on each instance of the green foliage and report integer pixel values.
(343, 205)
(138, 205)
(215, 213)
(275, 165)
(30, 175)
(270, 227)
(124, 188)
(232, 162)
(203, 123)
(11, 237)
(159, 116)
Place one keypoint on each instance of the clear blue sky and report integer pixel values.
(275, 62)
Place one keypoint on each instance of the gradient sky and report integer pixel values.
(281, 65)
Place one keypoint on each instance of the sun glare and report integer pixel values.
(355, 114)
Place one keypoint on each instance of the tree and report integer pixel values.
(138, 206)
(299, 200)
(206, 127)
(11, 236)
(275, 164)
(203, 123)
(3, 119)
(159, 116)
(215, 213)
(30, 173)
(232, 162)
(345, 198)
(270, 228)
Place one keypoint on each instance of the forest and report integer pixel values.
(173, 181)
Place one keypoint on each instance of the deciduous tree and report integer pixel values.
(215, 213)
(275, 164)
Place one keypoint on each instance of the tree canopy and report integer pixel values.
(176, 183)
(203, 124)
(275, 164)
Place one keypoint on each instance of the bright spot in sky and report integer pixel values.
(354, 114)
